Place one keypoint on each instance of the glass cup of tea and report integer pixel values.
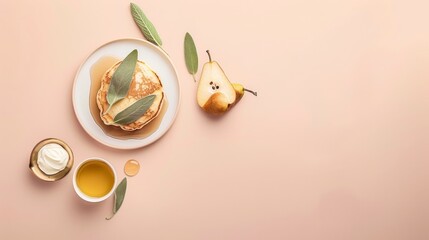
(94, 179)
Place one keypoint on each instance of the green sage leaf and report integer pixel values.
(121, 79)
(146, 26)
(191, 56)
(135, 111)
(119, 196)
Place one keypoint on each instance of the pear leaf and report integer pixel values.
(191, 56)
(119, 197)
(121, 79)
(145, 25)
(135, 111)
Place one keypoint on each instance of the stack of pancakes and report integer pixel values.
(144, 82)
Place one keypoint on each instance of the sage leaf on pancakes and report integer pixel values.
(119, 197)
(121, 79)
(145, 25)
(135, 111)
(191, 56)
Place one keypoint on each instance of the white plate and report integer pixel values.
(156, 59)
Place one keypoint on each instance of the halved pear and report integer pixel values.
(215, 93)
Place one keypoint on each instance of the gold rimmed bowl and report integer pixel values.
(35, 167)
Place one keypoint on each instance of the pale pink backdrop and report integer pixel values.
(336, 145)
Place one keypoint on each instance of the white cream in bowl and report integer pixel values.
(52, 158)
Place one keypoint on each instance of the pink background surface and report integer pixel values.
(334, 147)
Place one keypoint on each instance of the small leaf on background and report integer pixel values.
(119, 196)
(191, 56)
(145, 25)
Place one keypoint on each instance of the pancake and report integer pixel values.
(144, 82)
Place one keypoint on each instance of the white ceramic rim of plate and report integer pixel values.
(98, 133)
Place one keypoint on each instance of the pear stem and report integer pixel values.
(210, 57)
(193, 75)
(252, 92)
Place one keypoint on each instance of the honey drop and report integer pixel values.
(131, 167)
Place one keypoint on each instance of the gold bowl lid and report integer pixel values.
(35, 167)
